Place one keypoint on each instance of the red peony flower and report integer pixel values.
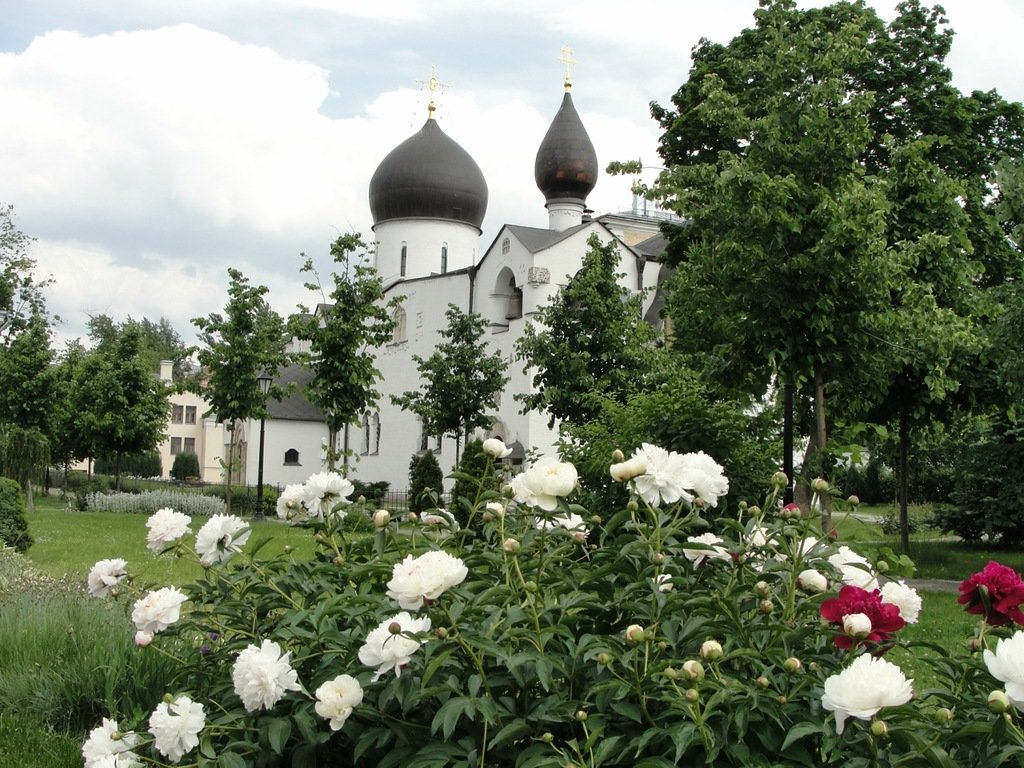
(885, 617)
(996, 592)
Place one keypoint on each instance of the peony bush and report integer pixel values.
(536, 634)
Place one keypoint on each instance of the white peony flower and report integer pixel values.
(903, 597)
(865, 687)
(386, 649)
(857, 624)
(105, 575)
(544, 483)
(664, 479)
(290, 503)
(336, 699)
(571, 522)
(106, 747)
(439, 518)
(812, 581)
(323, 491)
(626, 470)
(855, 568)
(158, 609)
(220, 538)
(664, 582)
(165, 527)
(426, 577)
(713, 549)
(175, 727)
(263, 675)
(496, 449)
(705, 477)
(1006, 664)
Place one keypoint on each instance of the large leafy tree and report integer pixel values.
(27, 378)
(238, 346)
(159, 340)
(120, 407)
(802, 153)
(343, 334)
(589, 344)
(461, 380)
(21, 291)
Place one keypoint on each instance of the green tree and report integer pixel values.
(343, 335)
(119, 405)
(461, 381)
(589, 344)
(27, 380)
(24, 457)
(68, 441)
(237, 347)
(426, 482)
(21, 292)
(159, 340)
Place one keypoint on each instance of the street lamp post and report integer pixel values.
(264, 381)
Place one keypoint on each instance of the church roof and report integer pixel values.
(566, 164)
(294, 406)
(535, 239)
(429, 176)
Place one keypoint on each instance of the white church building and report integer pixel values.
(428, 198)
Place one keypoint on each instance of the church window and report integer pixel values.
(398, 333)
(375, 434)
(364, 444)
(514, 305)
(506, 245)
(291, 457)
(405, 258)
(444, 258)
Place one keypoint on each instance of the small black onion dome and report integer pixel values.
(566, 165)
(428, 176)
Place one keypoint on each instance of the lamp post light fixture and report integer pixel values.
(264, 382)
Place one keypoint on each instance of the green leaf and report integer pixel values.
(801, 730)
(278, 732)
(230, 760)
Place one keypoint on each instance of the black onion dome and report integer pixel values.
(428, 176)
(566, 165)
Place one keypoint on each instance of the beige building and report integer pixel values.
(189, 432)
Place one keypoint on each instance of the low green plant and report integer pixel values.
(545, 636)
(29, 743)
(426, 482)
(148, 502)
(13, 525)
(185, 466)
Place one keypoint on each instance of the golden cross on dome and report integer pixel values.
(434, 86)
(567, 59)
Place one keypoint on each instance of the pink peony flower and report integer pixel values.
(996, 592)
(884, 618)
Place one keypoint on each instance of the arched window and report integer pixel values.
(364, 443)
(444, 258)
(405, 258)
(375, 434)
(506, 245)
(291, 457)
(398, 333)
(514, 305)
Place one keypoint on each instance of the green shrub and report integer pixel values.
(475, 476)
(426, 482)
(372, 492)
(185, 465)
(13, 525)
(135, 464)
(148, 502)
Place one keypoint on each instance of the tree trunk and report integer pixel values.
(30, 504)
(332, 440)
(821, 433)
(117, 472)
(904, 449)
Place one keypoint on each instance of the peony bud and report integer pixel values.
(755, 511)
(487, 516)
(604, 659)
(763, 682)
(635, 634)
(627, 470)
(142, 639)
(944, 715)
(853, 500)
(579, 537)
(879, 729)
(547, 737)
(381, 518)
(792, 664)
(691, 695)
(671, 673)
(882, 566)
(789, 511)
(766, 606)
(819, 485)
(495, 507)
(412, 517)
(511, 545)
(998, 702)
(812, 581)
(658, 558)
(395, 628)
(857, 624)
(361, 499)
(495, 448)
(762, 588)
(441, 633)
(632, 506)
(581, 716)
(693, 669)
(780, 479)
(711, 650)
(618, 456)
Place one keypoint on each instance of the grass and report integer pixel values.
(26, 744)
(70, 543)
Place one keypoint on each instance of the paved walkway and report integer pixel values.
(933, 585)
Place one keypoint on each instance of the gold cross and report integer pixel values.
(567, 59)
(434, 86)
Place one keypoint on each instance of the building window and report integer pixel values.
(398, 333)
(375, 434)
(444, 259)
(189, 445)
(506, 245)
(177, 414)
(190, 414)
(175, 446)
(405, 257)
(364, 443)
(291, 457)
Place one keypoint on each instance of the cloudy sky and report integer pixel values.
(148, 145)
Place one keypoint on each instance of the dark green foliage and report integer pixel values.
(13, 525)
(475, 476)
(372, 492)
(186, 465)
(987, 498)
(425, 482)
(145, 464)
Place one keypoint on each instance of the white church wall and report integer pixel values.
(423, 240)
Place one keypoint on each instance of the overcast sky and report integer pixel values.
(148, 145)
